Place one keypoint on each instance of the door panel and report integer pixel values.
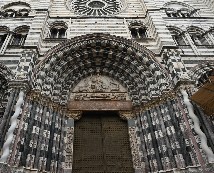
(116, 145)
(88, 153)
(101, 144)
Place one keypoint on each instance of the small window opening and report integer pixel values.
(2, 39)
(142, 32)
(62, 33)
(134, 33)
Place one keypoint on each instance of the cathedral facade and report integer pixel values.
(106, 86)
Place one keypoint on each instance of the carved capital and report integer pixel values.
(158, 100)
(184, 79)
(75, 114)
(20, 84)
(126, 115)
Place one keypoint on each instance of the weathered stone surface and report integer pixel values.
(99, 105)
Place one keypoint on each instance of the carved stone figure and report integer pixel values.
(99, 87)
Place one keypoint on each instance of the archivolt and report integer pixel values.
(131, 64)
(198, 72)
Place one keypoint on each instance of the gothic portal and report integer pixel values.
(106, 86)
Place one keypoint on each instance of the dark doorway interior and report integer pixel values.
(101, 144)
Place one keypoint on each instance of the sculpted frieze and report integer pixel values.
(99, 87)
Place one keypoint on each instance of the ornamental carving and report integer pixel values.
(126, 115)
(76, 115)
(98, 87)
(96, 7)
(69, 147)
(134, 142)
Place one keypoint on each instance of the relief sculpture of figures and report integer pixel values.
(99, 87)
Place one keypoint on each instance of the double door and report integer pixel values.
(101, 144)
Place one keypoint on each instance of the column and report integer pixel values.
(7, 114)
(201, 154)
(211, 37)
(62, 154)
(193, 46)
(135, 143)
(6, 42)
(197, 127)
(69, 146)
(13, 122)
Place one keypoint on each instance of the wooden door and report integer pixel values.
(101, 144)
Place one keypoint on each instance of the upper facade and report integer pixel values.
(154, 24)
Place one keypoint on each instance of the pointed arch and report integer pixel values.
(177, 35)
(201, 72)
(198, 35)
(196, 29)
(131, 64)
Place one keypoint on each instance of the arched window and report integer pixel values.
(178, 9)
(134, 32)
(177, 36)
(138, 30)
(16, 9)
(198, 36)
(3, 35)
(23, 13)
(184, 12)
(19, 36)
(9, 13)
(62, 33)
(58, 30)
(171, 12)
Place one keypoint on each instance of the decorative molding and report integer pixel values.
(157, 101)
(134, 143)
(44, 100)
(19, 84)
(85, 39)
(100, 57)
(69, 148)
(137, 24)
(76, 114)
